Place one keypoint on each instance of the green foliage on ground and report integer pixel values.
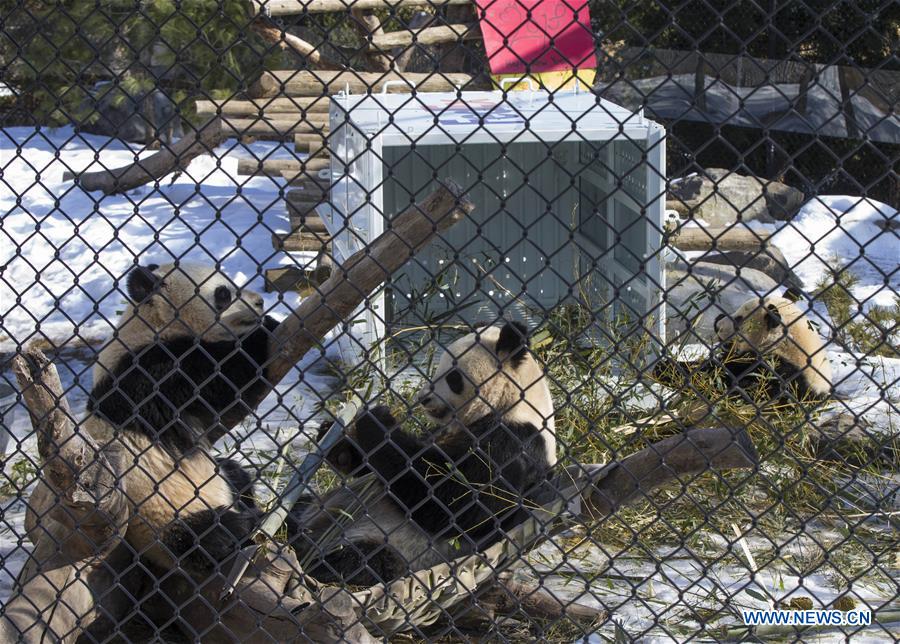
(872, 330)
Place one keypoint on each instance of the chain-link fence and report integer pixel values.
(441, 319)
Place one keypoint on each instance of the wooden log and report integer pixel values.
(282, 128)
(310, 138)
(275, 167)
(518, 595)
(307, 179)
(294, 7)
(76, 515)
(292, 278)
(735, 237)
(312, 55)
(681, 457)
(300, 83)
(402, 57)
(265, 107)
(296, 242)
(307, 221)
(307, 192)
(86, 492)
(313, 149)
(369, 26)
(428, 36)
(169, 159)
(360, 274)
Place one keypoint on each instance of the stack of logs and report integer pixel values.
(293, 105)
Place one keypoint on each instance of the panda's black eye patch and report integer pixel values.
(222, 297)
(455, 381)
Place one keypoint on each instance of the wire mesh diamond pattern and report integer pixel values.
(447, 320)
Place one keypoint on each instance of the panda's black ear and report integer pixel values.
(513, 342)
(142, 282)
(792, 294)
(773, 316)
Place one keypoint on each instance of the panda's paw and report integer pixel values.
(376, 420)
(323, 429)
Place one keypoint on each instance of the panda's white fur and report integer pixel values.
(522, 397)
(187, 347)
(183, 305)
(774, 326)
(453, 490)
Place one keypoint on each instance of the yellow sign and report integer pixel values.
(551, 81)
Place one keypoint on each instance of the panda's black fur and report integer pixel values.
(456, 488)
(182, 391)
(187, 353)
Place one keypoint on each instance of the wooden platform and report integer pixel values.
(319, 83)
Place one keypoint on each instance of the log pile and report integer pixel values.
(293, 105)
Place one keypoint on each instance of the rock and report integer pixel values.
(697, 292)
(848, 438)
(140, 118)
(723, 197)
(769, 260)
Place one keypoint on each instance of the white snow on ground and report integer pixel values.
(837, 231)
(72, 244)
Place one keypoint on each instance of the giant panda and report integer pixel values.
(452, 490)
(187, 351)
(766, 346)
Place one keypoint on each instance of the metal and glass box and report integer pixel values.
(569, 204)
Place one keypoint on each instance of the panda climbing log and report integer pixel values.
(187, 351)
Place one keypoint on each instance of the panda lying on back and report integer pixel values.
(455, 489)
(766, 345)
(187, 352)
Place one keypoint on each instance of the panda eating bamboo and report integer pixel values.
(453, 490)
(767, 349)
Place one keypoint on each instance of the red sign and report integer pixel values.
(541, 35)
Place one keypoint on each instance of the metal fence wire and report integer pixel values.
(449, 320)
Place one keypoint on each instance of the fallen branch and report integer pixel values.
(85, 493)
(515, 594)
(169, 159)
(359, 275)
(75, 516)
(735, 237)
(369, 27)
(600, 490)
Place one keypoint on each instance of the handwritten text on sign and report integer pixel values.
(541, 35)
